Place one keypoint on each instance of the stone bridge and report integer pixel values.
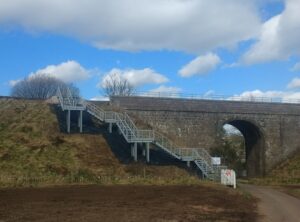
(271, 130)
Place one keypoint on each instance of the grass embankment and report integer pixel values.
(33, 151)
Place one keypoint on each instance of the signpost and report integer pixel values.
(228, 178)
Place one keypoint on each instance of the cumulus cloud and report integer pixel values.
(267, 96)
(200, 65)
(195, 26)
(69, 72)
(296, 67)
(279, 38)
(136, 77)
(295, 83)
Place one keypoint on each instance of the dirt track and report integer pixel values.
(124, 203)
(274, 205)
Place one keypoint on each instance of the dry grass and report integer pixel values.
(287, 173)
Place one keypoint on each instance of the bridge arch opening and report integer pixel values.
(250, 154)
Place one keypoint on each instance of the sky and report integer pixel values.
(204, 47)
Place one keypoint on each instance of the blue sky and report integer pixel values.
(217, 47)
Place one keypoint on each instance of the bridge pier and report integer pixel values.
(188, 163)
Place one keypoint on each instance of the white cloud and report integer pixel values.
(12, 83)
(296, 67)
(267, 96)
(70, 71)
(136, 77)
(209, 93)
(200, 65)
(295, 83)
(279, 38)
(186, 25)
(100, 98)
(229, 129)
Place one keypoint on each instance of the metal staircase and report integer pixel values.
(132, 134)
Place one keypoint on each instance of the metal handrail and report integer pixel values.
(217, 97)
(132, 134)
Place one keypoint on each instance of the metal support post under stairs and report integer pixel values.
(188, 163)
(135, 152)
(80, 121)
(144, 151)
(68, 121)
(148, 152)
(132, 150)
(110, 127)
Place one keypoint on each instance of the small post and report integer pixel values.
(110, 127)
(69, 121)
(147, 152)
(135, 152)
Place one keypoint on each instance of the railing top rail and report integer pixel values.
(240, 98)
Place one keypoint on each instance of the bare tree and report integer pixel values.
(40, 86)
(115, 85)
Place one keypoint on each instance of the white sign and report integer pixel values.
(216, 160)
(228, 178)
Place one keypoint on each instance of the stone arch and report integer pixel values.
(254, 144)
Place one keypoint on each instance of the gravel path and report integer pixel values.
(275, 206)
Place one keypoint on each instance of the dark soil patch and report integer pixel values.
(126, 203)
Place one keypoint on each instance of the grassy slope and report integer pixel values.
(289, 169)
(288, 172)
(285, 177)
(32, 146)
